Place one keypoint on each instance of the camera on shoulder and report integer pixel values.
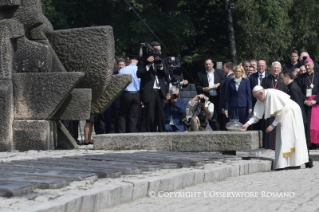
(146, 50)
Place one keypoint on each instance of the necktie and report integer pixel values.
(260, 78)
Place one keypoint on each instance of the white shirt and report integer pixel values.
(263, 76)
(156, 82)
(211, 79)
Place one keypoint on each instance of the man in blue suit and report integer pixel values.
(174, 111)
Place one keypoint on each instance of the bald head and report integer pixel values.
(261, 66)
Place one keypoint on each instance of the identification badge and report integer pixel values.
(309, 92)
(311, 86)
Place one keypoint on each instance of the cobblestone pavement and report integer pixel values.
(261, 192)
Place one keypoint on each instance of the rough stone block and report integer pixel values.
(38, 33)
(34, 135)
(92, 53)
(117, 85)
(39, 95)
(32, 56)
(6, 115)
(184, 142)
(30, 14)
(10, 3)
(9, 30)
(77, 106)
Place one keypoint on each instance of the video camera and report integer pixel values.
(147, 50)
(174, 71)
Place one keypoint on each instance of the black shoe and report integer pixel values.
(87, 143)
(309, 164)
(78, 142)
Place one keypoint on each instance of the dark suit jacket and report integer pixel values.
(202, 80)
(179, 108)
(223, 91)
(254, 81)
(295, 93)
(240, 98)
(147, 80)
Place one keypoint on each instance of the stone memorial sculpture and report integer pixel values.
(50, 75)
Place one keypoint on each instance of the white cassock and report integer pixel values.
(291, 148)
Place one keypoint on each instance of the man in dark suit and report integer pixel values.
(229, 74)
(175, 109)
(257, 79)
(208, 82)
(152, 89)
(293, 61)
(296, 95)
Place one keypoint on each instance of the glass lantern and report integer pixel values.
(234, 125)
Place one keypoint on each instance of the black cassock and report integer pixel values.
(269, 139)
(304, 81)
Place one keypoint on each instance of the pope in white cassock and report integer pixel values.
(291, 149)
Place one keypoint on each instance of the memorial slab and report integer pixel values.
(14, 188)
(183, 142)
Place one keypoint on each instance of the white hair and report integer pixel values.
(173, 89)
(276, 62)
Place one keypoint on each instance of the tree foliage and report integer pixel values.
(195, 30)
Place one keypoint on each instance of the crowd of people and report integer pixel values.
(152, 103)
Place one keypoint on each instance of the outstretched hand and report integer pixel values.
(245, 126)
(270, 128)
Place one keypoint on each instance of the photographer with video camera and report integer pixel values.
(203, 111)
(175, 110)
(175, 73)
(152, 71)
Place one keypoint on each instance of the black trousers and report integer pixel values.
(217, 114)
(128, 112)
(154, 112)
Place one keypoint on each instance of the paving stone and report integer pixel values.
(136, 161)
(140, 188)
(69, 176)
(30, 165)
(125, 169)
(39, 182)
(14, 188)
